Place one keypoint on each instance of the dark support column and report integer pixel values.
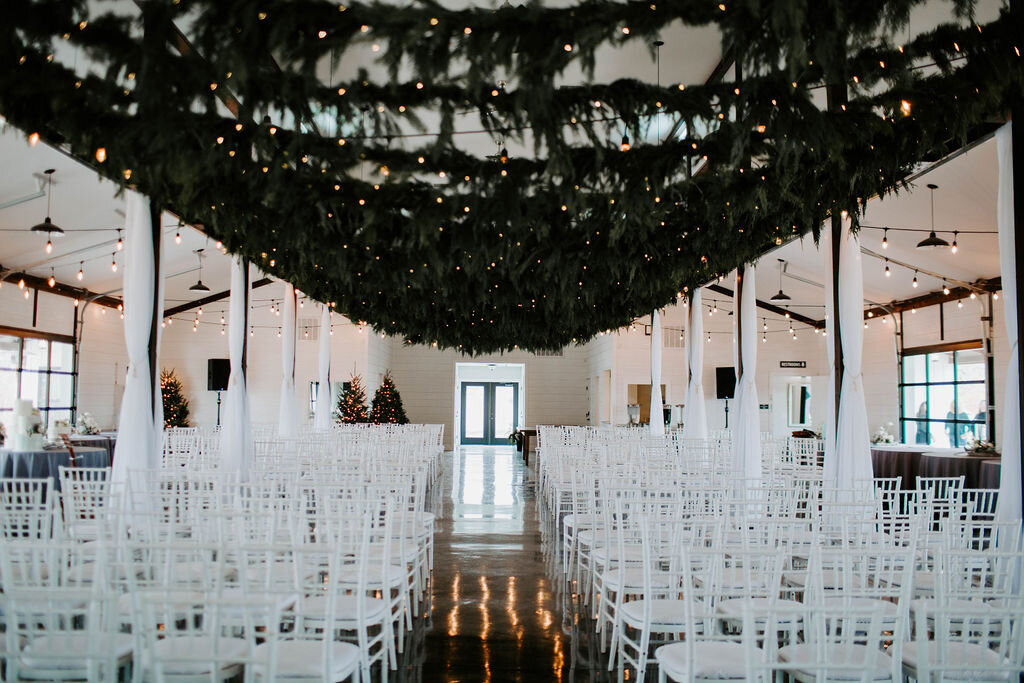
(156, 314)
(836, 96)
(1017, 115)
(245, 320)
(740, 271)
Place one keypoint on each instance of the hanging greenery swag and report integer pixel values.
(320, 182)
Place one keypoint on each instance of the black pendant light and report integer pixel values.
(48, 226)
(199, 286)
(781, 296)
(932, 240)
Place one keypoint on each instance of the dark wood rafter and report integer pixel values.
(61, 289)
(219, 296)
(36, 334)
(772, 308)
(934, 298)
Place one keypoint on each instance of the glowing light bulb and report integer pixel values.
(885, 239)
(49, 247)
(177, 237)
(80, 273)
(113, 263)
(953, 247)
(52, 281)
(914, 283)
(120, 242)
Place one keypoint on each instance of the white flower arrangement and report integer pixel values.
(882, 435)
(87, 424)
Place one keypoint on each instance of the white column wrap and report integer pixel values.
(288, 413)
(695, 419)
(236, 435)
(853, 467)
(657, 413)
(324, 409)
(1009, 446)
(746, 434)
(140, 423)
(829, 431)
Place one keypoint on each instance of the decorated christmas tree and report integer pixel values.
(387, 404)
(352, 403)
(175, 403)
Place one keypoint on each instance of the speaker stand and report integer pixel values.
(218, 412)
(726, 411)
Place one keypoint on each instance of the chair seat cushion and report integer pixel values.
(632, 580)
(713, 660)
(856, 657)
(970, 657)
(67, 652)
(184, 655)
(305, 659)
(580, 521)
(345, 609)
(664, 612)
(733, 608)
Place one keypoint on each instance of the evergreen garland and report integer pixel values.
(539, 251)
(351, 406)
(387, 404)
(175, 403)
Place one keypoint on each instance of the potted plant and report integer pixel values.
(517, 438)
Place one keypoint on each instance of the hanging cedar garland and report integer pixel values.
(427, 242)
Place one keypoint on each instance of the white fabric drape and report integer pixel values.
(695, 419)
(140, 423)
(1009, 480)
(829, 430)
(324, 409)
(746, 434)
(853, 467)
(236, 436)
(657, 408)
(288, 413)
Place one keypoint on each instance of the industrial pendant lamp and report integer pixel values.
(48, 226)
(932, 240)
(781, 296)
(199, 286)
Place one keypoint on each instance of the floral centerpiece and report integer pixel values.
(3, 434)
(87, 424)
(982, 448)
(882, 435)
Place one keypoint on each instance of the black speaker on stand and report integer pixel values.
(218, 371)
(725, 387)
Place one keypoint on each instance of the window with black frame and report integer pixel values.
(943, 395)
(38, 370)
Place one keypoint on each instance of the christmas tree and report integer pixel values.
(352, 403)
(175, 403)
(387, 404)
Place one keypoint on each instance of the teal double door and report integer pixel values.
(490, 412)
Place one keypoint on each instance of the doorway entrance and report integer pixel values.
(489, 412)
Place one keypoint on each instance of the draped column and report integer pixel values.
(236, 437)
(829, 430)
(324, 409)
(853, 467)
(1009, 480)
(695, 419)
(746, 435)
(140, 422)
(657, 407)
(288, 414)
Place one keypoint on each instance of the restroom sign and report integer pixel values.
(792, 364)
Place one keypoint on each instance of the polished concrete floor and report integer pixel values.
(498, 612)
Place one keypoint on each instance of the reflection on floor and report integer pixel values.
(498, 612)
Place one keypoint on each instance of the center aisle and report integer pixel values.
(496, 614)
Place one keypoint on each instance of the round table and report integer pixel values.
(941, 464)
(991, 469)
(43, 464)
(95, 441)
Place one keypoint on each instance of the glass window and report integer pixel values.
(40, 371)
(943, 395)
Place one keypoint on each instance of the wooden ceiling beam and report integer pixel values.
(61, 289)
(219, 296)
(934, 298)
(772, 308)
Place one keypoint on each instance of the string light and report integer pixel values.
(81, 274)
(279, 333)
(914, 283)
(26, 294)
(113, 262)
(625, 143)
(888, 273)
(21, 284)
(200, 311)
(973, 296)
(959, 303)
(49, 247)
(885, 239)
(177, 236)
(52, 281)
(945, 288)
(709, 337)
(953, 247)
(120, 242)
(995, 296)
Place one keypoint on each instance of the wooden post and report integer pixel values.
(836, 96)
(156, 314)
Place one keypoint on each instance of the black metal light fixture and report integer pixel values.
(199, 286)
(781, 295)
(48, 226)
(932, 240)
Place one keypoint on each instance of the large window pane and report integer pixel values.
(33, 388)
(60, 391)
(54, 415)
(914, 369)
(10, 350)
(61, 357)
(35, 354)
(940, 402)
(940, 367)
(8, 389)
